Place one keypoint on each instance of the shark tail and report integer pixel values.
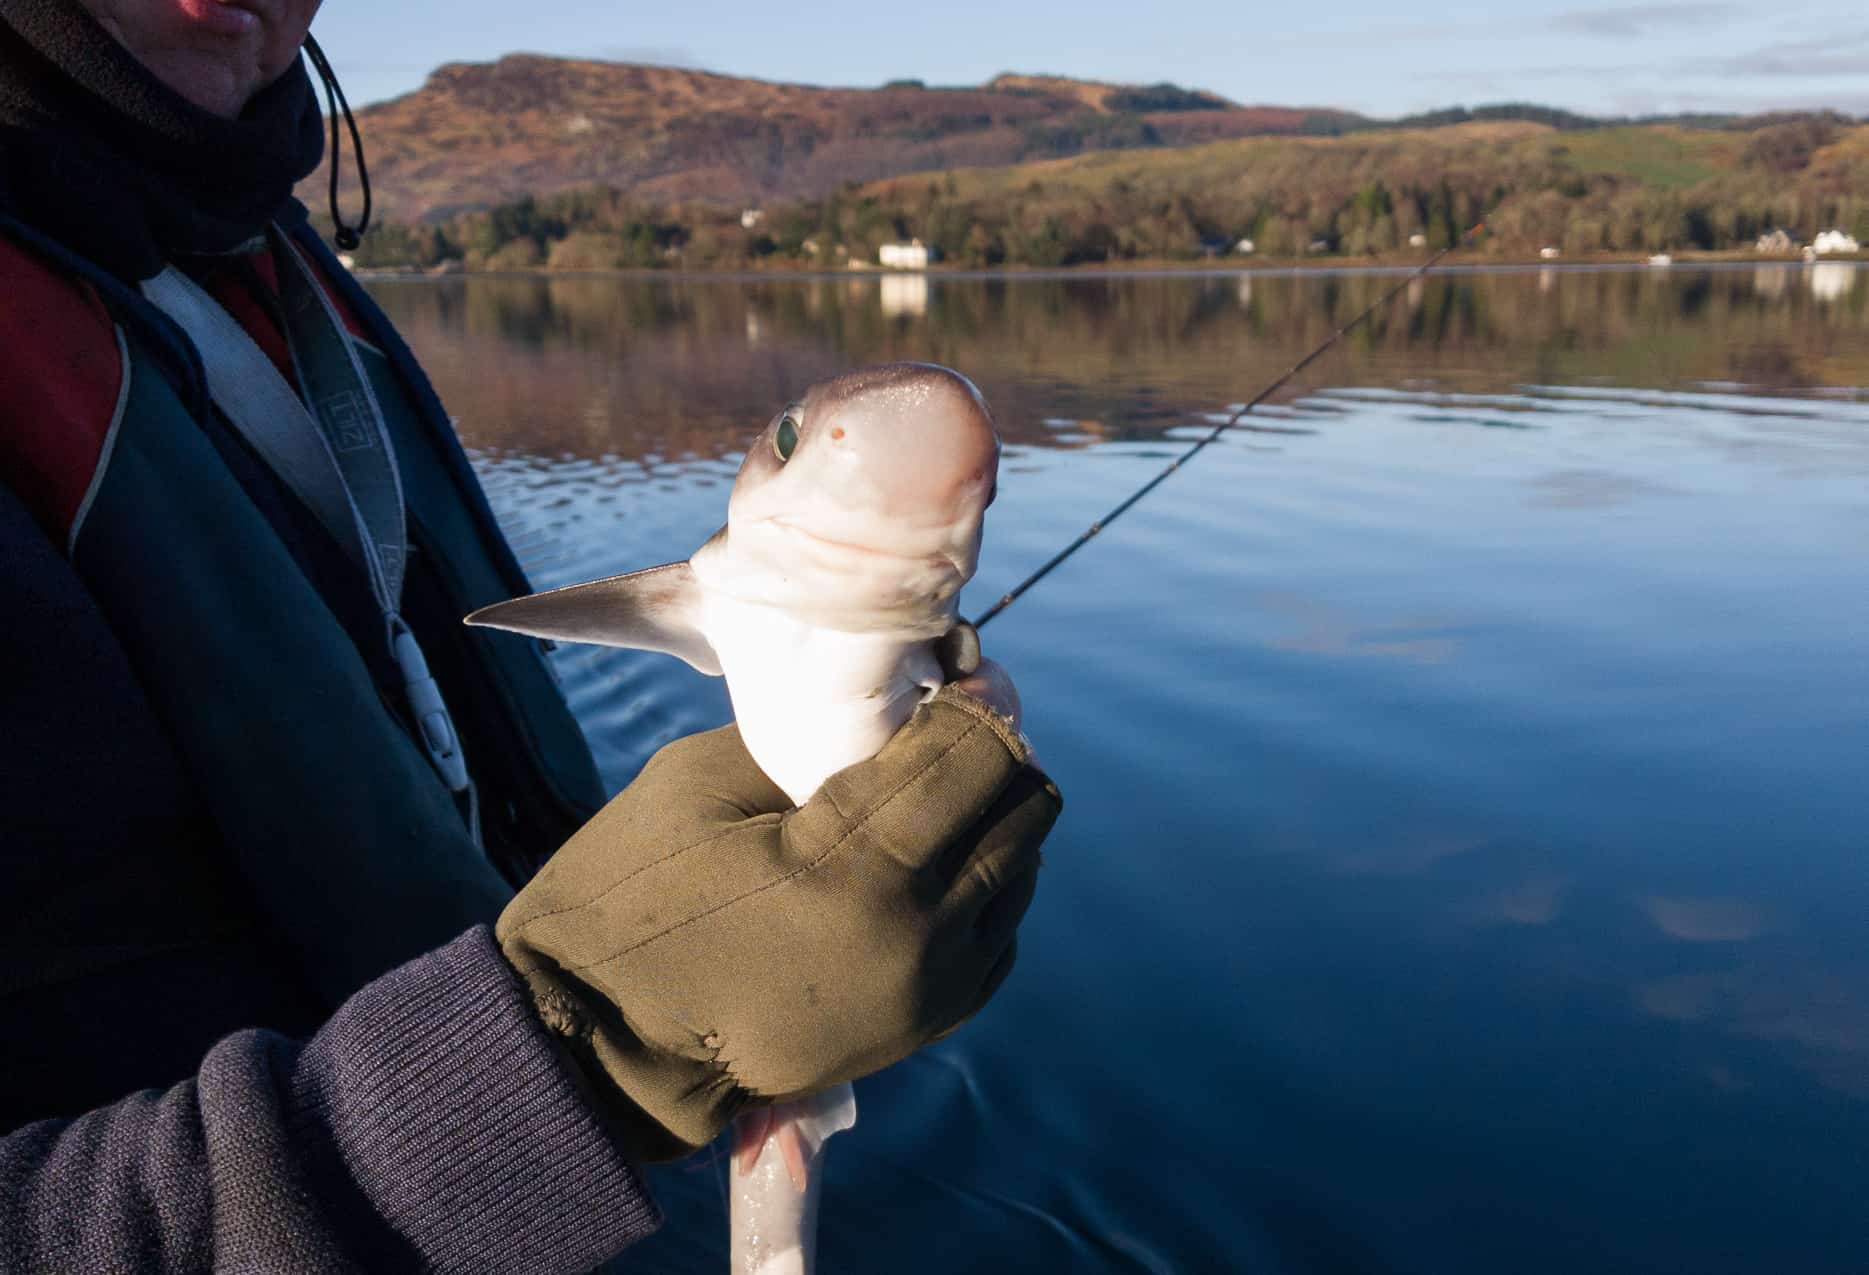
(775, 1180)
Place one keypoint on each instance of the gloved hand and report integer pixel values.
(704, 948)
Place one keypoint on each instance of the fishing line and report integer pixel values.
(1097, 526)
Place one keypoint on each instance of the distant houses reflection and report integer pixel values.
(689, 365)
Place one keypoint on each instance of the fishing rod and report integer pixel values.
(1090, 532)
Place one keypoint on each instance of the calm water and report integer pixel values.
(1465, 864)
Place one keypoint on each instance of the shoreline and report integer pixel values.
(1212, 267)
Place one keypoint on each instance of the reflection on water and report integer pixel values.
(1533, 902)
(692, 365)
(1464, 861)
(1707, 920)
(1822, 1013)
(903, 294)
(1832, 280)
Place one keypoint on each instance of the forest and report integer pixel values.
(1369, 195)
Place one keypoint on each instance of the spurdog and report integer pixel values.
(853, 523)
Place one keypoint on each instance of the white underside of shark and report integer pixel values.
(811, 701)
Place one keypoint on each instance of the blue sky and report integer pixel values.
(1384, 59)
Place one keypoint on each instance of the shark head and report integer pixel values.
(862, 498)
(857, 508)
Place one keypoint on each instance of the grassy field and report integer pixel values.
(1659, 158)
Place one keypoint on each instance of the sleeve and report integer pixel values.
(430, 1125)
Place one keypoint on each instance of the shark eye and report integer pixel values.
(785, 438)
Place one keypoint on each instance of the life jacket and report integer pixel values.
(241, 624)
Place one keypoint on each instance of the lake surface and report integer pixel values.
(1465, 862)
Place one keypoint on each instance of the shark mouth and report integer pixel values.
(923, 560)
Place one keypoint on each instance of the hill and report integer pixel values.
(479, 134)
(1602, 189)
(1371, 194)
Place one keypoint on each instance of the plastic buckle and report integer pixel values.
(436, 727)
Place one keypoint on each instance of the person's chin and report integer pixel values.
(219, 79)
(233, 19)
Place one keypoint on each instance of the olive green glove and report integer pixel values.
(704, 948)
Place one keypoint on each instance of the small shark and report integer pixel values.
(853, 523)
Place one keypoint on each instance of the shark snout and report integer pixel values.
(876, 479)
(910, 443)
(948, 463)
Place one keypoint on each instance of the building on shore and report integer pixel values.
(912, 255)
(1832, 243)
(1776, 243)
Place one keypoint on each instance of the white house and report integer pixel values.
(750, 217)
(1777, 243)
(1549, 254)
(1831, 242)
(1245, 247)
(912, 255)
(1417, 240)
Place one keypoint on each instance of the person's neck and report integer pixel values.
(99, 154)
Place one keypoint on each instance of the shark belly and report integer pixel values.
(812, 700)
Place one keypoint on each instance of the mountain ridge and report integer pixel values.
(477, 134)
(478, 137)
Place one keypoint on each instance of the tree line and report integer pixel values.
(1370, 195)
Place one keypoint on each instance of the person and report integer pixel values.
(266, 797)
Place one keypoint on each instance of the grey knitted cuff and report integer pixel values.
(462, 1126)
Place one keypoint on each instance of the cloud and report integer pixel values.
(1809, 65)
(1650, 103)
(1639, 19)
(1616, 21)
(1842, 53)
(1440, 31)
(1562, 70)
(651, 55)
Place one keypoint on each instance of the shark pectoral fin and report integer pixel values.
(654, 610)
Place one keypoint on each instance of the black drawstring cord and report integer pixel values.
(346, 237)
